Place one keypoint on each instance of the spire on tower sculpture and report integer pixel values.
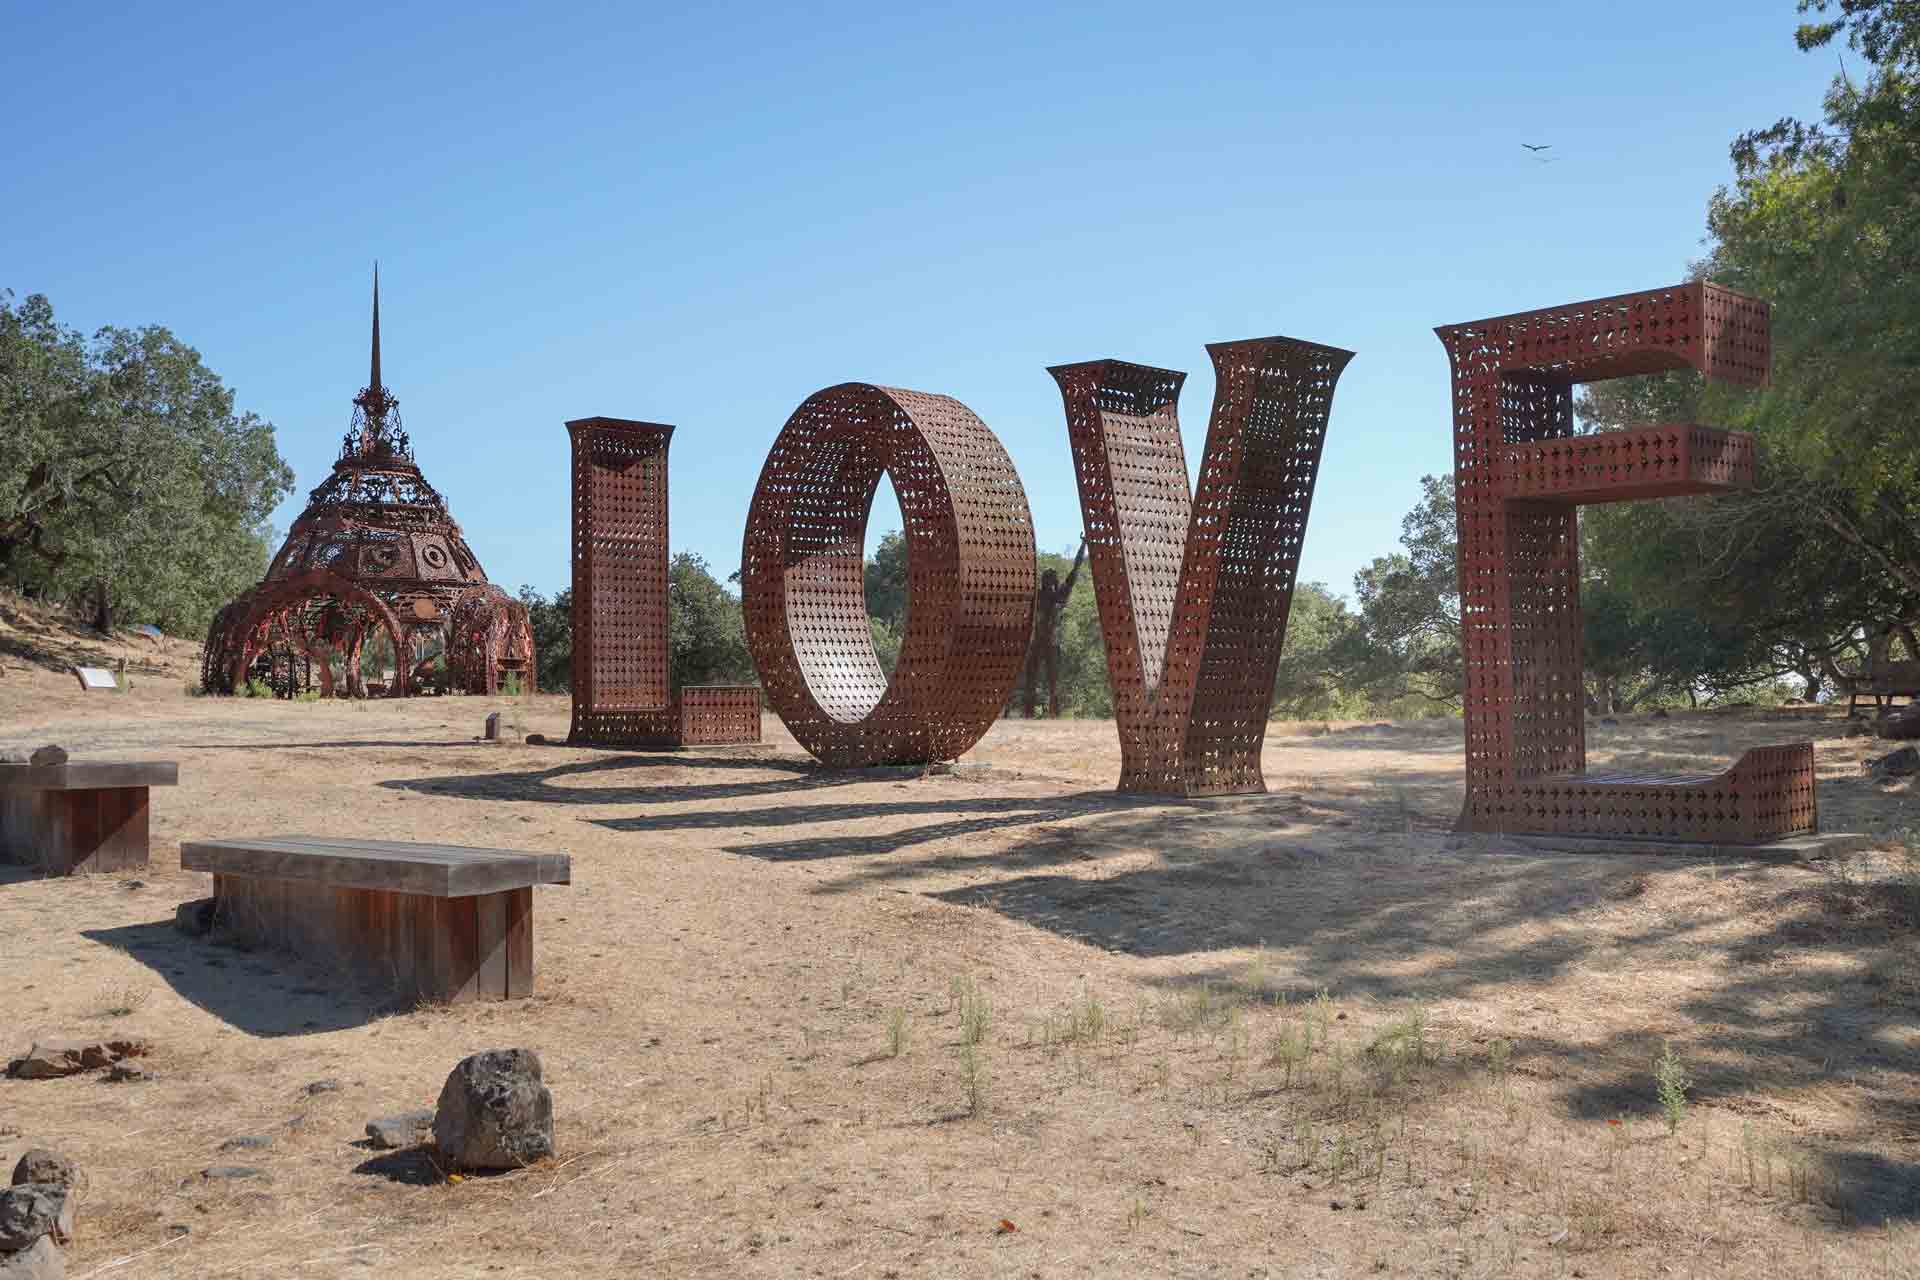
(373, 378)
(375, 419)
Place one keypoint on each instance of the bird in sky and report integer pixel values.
(1536, 147)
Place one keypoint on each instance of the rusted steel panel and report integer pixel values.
(1520, 474)
(622, 679)
(971, 576)
(719, 715)
(1194, 590)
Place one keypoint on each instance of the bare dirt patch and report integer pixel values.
(999, 1021)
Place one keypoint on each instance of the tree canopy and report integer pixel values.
(129, 480)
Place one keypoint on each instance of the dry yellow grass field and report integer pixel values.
(1302, 1034)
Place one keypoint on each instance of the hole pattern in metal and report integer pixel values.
(970, 575)
(622, 685)
(1194, 588)
(1519, 476)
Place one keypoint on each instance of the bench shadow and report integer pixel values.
(261, 992)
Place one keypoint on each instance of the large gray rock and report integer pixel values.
(32, 1210)
(494, 1112)
(41, 1260)
(52, 753)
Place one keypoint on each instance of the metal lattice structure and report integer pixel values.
(1194, 589)
(623, 694)
(376, 548)
(1520, 473)
(970, 555)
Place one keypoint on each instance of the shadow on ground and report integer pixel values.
(264, 993)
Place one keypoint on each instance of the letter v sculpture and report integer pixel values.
(1194, 587)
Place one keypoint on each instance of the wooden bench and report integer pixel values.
(433, 921)
(81, 816)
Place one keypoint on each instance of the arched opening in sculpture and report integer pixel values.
(969, 534)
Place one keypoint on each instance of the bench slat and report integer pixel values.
(89, 775)
(440, 871)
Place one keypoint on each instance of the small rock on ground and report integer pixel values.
(319, 1087)
(408, 1129)
(127, 1073)
(52, 753)
(247, 1142)
(231, 1173)
(494, 1112)
(1895, 764)
(42, 1165)
(51, 1059)
(31, 1210)
(195, 919)
(42, 1260)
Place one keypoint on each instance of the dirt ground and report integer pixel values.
(754, 1004)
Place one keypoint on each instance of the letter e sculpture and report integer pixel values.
(1520, 473)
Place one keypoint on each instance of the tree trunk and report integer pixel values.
(102, 607)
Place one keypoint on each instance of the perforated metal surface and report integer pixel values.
(970, 573)
(1519, 475)
(1194, 590)
(718, 714)
(622, 688)
(376, 525)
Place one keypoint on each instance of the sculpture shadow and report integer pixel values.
(542, 785)
(261, 992)
(1805, 973)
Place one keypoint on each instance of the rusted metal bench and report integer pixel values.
(433, 921)
(81, 816)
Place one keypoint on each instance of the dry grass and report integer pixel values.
(803, 1023)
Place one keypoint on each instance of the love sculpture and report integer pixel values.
(1520, 473)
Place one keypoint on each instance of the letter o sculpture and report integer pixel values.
(971, 576)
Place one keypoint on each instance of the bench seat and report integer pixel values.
(432, 921)
(79, 817)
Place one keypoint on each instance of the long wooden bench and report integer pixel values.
(81, 816)
(433, 921)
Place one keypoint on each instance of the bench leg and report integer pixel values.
(451, 949)
(75, 832)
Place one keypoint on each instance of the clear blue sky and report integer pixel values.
(700, 216)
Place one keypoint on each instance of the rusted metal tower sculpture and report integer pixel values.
(1520, 473)
(623, 693)
(1194, 589)
(970, 576)
(375, 548)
